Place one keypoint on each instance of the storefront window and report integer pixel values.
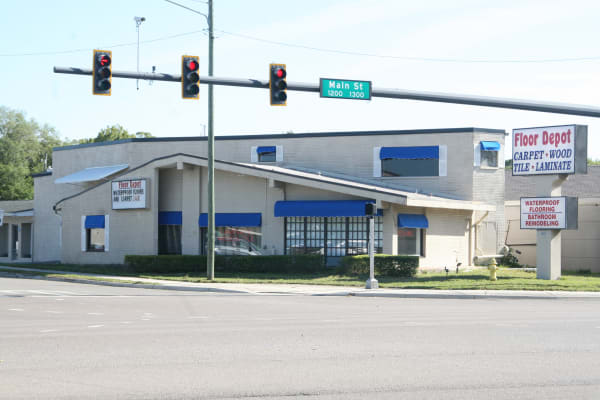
(331, 236)
(95, 239)
(410, 241)
(169, 239)
(489, 159)
(235, 241)
(267, 157)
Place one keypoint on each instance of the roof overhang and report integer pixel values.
(92, 174)
(349, 187)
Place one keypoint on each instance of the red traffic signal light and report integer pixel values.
(190, 79)
(102, 72)
(277, 84)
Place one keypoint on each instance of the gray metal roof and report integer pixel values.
(92, 174)
(577, 185)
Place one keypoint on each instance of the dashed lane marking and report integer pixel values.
(95, 326)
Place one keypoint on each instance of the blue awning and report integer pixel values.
(94, 221)
(410, 153)
(489, 146)
(232, 219)
(322, 208)
(169, 218)
(412, 221)
(266, 149)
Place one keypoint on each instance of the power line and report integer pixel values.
(57, 52)
(319, 49)
(407, 58)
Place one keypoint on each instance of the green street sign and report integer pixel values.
(343, 89)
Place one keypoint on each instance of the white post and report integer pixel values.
(372, 282)
(548, 247)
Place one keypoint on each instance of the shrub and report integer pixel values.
(385, 265)
(298, 264)
(510, 260)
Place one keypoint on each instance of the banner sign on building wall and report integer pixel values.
(550, 150)
(129, 194)
(548, 213)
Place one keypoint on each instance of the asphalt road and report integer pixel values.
(73, 341)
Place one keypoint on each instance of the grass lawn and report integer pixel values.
(508, 279)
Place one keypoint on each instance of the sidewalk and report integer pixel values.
(297, 289)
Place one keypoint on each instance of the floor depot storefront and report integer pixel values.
(439, 194)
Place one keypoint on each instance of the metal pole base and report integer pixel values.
(372, 284)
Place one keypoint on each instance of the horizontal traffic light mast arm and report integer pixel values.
(529, 105)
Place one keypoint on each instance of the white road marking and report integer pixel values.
(125, 322)
(49, 330)
(59, 299)
(15, 309)
(95, 326)
(95, 313)
(197, 316)
(54, 312)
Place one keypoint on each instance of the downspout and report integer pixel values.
(474, 226)
(60, 226)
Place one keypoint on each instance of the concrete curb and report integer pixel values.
(298, 289)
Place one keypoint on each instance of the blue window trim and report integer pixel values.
(232, 219)
(410, 153)
(489, 145)
(94, 222)
(266, 149)
(412, 221)
(170, 218)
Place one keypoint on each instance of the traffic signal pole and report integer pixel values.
(210, 260)
(484, 101)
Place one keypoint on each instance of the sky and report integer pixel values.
(533, 50)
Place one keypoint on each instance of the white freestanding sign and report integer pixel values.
(557, 151)
(543, 212)
(129, 194)
(544, 151)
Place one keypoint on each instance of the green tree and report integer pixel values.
(110, 133)
(25, 148)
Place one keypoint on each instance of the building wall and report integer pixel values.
(130, 231)
(47, 226)
(579, 248)
(447, 239)
(170, 184)
(180, 188)
(351, 155)
(488, 187)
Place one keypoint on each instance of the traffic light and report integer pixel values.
(277, 84)
(370, 209)
(190, 80)
(102, 72)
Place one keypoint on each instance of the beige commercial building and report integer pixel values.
(439, 194)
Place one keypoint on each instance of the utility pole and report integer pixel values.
(210, 260)
(210, 236)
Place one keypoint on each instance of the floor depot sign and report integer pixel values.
(548, 213)
(550, 150)
(129, 194)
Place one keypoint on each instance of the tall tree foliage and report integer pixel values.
(26, 148)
